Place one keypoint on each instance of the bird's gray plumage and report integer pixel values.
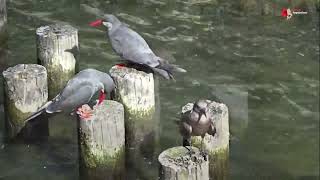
(196, 122)
(78, 91)
(129, 45)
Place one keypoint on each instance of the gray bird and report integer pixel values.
(79, 91)
(196, 122)
(130, 46)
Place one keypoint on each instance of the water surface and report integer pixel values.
(266, 69)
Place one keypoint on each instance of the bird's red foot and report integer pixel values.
(85, 112)
(120, 65)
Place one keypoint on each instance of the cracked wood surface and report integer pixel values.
(52, 43)
(25, 91)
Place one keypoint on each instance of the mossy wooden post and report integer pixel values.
(217, 146)
(177, 164)
(135, 90)
(102, 143)
(26, 90)
(52, 43)
(3, 20)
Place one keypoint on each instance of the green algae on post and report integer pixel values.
(54, 43)
(135, 90)
(102, 142)
(25, 92)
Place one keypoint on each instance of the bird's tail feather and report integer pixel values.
(163, 73)
(39, 112)
(171, 67)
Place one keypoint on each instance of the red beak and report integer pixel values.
(96, 23)
(102, 97)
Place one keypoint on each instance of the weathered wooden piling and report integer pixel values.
(25, 87)
(177, 164)
(135, 90)
(102, 143)
(3, 19)
(53, 43)
(217, 146)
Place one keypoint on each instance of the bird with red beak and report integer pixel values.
(132, 48)
(78, 92)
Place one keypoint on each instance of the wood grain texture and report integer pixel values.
(177, 164)
(25, 91)
(52, 43)
(102, 142)
(135, 90)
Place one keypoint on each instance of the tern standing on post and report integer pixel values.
(130, 46)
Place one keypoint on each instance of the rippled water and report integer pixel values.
(264, 68)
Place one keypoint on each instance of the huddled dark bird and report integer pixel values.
(131, 47)
(79, 91)
(196, 122)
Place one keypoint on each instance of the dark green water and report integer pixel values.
(266, 69)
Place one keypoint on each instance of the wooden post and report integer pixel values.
(52, 43)
(3, 20)
(135, 90)
(102, 143)
(25, 87)
(217, 146)
(177, 164)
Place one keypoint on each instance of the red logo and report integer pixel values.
(288, 13)
(284, 12)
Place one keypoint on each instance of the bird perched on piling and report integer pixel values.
(130, 46)
(196, 122)
(79, 91)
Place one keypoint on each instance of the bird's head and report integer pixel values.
(108, 83)
(200, 107)
(110, 21)
(106, 86)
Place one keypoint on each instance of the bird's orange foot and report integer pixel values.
(85, 112)
(120, 65)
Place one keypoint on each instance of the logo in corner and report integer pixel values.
(288, 13)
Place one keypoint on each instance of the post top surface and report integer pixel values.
(122, 71)
(106, 108)
(24, 71)
(56, 30)
(178, 157)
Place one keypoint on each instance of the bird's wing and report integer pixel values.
(78, 97)
(85, 77)
(78, 91)
(185, 128)
(131, 46)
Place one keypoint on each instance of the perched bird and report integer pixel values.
(79, 91)
(196, 122)
(130, 46)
